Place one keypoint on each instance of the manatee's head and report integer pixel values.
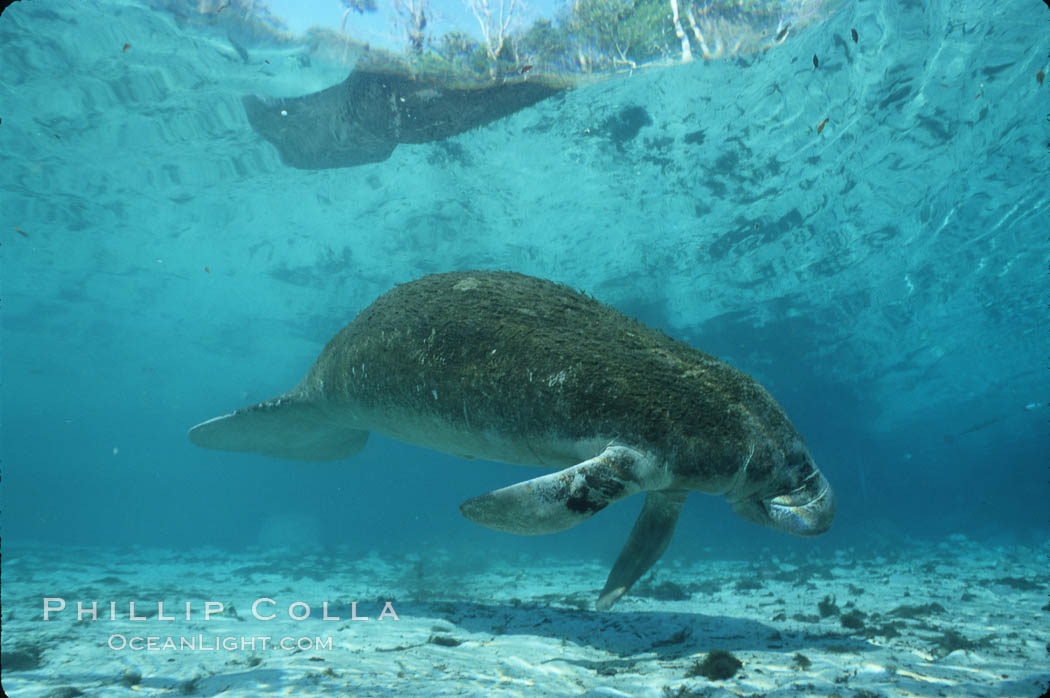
(784, 490)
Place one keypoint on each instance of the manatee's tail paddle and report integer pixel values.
(284, 427)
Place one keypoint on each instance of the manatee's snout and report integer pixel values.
(807, 510)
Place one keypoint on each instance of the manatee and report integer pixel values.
(511, 368)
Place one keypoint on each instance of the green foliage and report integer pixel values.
(589, 35)
(621, 31)
(543, 42)
(462, 53)
(360, 6)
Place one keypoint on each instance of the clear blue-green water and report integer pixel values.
(884, 277)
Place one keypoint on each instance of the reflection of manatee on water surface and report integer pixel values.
(449, 84)
(363, 118)
(511, 368)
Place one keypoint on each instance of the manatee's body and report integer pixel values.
(506, 367)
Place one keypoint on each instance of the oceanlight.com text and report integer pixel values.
(215, 643)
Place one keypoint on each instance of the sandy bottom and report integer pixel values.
(954, 619)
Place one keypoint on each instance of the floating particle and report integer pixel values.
(1040, 76)
(126, 47)
(853, 33)
(207, 270)
(821, 125)
(21, 232)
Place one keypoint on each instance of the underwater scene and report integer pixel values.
(618, 348)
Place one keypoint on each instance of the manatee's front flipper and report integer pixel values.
(649, 538)
(563, 499)
(283, 428)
